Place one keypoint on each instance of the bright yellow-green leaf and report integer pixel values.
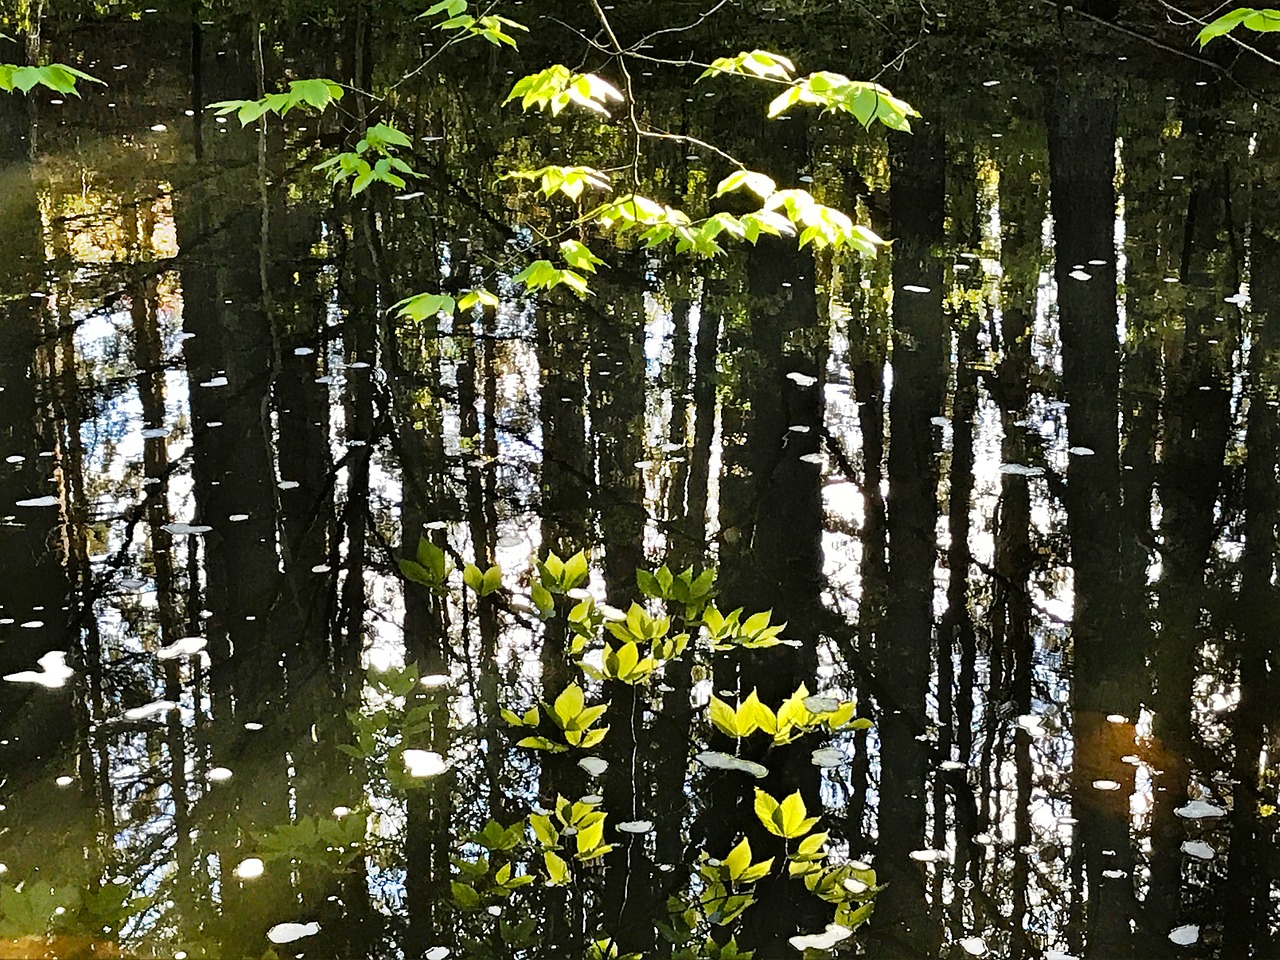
(577, 255)
(557, 869)
(759, 184)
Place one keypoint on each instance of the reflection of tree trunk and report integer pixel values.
(149, 359)
(618, 430)
(1022, 210)
(956, 630)
(37, 723)
(1195, 435)
(564, 486)
(230, 358)
(1250, 863)
(1081, 122)
(687, 516)
(868, 351)
(479, 363)
(771, 519)
(429, 812)
(920, 348)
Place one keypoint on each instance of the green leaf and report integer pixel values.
(759, 184)
(575, 570)
(423, 305)
(648, 585)
(492, 581)
(568, 705)
(557, 869)
(786, 819)
(464, 895)
(543, 831)
(576, 254)
(478, 296)
(451, 7)
(739, 858)
(724, 717)
(542, 600)
(1263, 21)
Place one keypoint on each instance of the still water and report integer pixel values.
(1011, 487)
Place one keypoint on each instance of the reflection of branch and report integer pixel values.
(631, 93)
(639, 44)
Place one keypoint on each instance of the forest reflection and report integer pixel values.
(1012, 487)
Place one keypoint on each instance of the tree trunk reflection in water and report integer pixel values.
(564, 486)
(1250, 862)
(1195, 433)
(1023, 197)
(1104, 697)
(905, 646)
(617, 411)
(38, 729)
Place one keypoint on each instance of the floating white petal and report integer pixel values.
(53, 672)
(915, 288)
(218, 774)
(801, 379)
(435, 953)
(1200, 810)
(1186, 935)
(1198, 849)
(636, 826)
(39, 502)
(250, 868)
(182, 647)
(289, 932)
(821, 704)
(595, 766)
(822, 941)
(1105, 785)
(723, 761)
(424, 763)
(827, 757)
(155, 708)
(973, 946)
(928, 856)
(183, 528)
(1021, 470)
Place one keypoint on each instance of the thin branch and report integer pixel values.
(1144, 38)
(1192, 18)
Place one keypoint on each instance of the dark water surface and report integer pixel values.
(1012, 486)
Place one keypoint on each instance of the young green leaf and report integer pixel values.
(1260, 21)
